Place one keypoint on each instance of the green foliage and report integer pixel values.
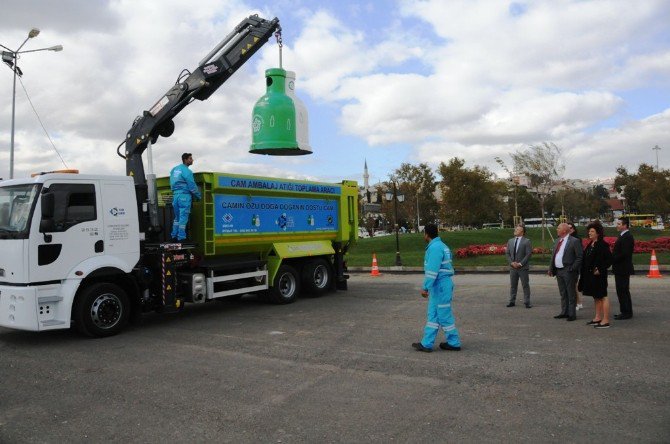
(471, 195)
(527, 204)
(577, 204)
(647, 191)
(417, 183)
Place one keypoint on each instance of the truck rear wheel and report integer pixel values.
(286, 286)
(317, 277)
(101, 310)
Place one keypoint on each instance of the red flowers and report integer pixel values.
(658, 244)
(480, 250)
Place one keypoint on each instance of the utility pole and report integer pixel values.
(418, 219)
(657, 149)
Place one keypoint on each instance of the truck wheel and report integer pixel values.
(317, 277)
(286, 286)
(101, 310)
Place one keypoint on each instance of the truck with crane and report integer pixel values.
(90, 251)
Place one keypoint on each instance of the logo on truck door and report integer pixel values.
(117, 212)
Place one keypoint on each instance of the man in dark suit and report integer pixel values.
(518, 255)
(622, 267)
(566, 261)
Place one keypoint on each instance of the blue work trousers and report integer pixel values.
(439, 314)
(181, 204)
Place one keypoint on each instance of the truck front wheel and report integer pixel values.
(102, 309)
(286, 285)
(317, 277)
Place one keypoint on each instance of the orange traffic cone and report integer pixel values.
(653, 268)
(375, 268)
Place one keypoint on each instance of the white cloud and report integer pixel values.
(628, 145)
(104, 78)
(501, 81)
(467, 78)
(586, 155)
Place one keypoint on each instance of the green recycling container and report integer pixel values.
(276, 119)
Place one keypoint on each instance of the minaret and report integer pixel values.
(366, 176)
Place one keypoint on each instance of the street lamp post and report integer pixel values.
(395, 197)
(418, 214)
(657, 149)
(10, 58)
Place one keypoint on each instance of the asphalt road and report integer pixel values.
(340, 369)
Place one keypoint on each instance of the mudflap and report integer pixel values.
(340, 276)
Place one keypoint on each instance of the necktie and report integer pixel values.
(516, 242)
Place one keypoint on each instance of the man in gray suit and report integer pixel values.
(566, 260)
(518, 256)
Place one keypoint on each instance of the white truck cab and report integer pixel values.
(56, 230)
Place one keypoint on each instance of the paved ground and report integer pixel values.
(340, 369)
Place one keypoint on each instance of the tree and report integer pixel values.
(576, 203)
(526, 202)
(625, 181)
(470, 196)
(543, 165)
(417, 183)
(601, 195)
(647, 191)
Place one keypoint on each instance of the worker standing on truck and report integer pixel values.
(183, 189)
(438, 287)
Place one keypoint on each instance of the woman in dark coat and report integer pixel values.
(593, 277)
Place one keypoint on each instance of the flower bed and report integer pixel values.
(658, 244)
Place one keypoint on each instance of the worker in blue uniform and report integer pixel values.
(183, 190)
(438, 287)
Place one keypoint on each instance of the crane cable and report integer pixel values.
(40, 120)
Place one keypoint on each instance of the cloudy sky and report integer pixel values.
(387, 81)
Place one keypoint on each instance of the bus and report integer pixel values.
(535, 222)
(645, 220)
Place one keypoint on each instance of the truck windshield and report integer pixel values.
(16, 207)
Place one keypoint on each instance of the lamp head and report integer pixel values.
(389, 196)
(56, 48)
(33, 33)
(401, 198)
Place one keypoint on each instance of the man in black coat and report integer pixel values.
(622, 267)
(566, 262)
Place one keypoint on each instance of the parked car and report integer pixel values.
(363, 233)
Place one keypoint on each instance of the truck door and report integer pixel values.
(73, 234)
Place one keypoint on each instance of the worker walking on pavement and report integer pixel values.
(438, 287)
(183, 189)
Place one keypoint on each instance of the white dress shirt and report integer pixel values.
(558, 260)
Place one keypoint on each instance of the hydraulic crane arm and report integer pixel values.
(221, 63)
